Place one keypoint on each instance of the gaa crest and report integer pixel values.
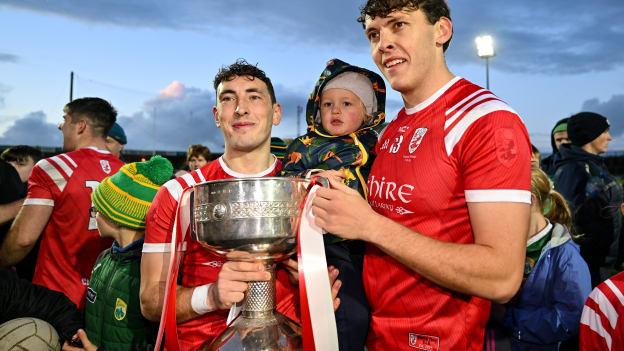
(105, 166)
(417, 138)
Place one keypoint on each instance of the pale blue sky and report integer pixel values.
(553, 59)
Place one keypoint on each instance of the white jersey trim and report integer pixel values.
(605, 306)
(498, 195)
(201, 175)
(188, 178)
(235, 174)
(94, 148)
(430, 100)
(33, 201)
(161, 247)
(63, 165)
(450, 110)
(456, 133)
(468, 107)
(174, 188)
(591, 319)
(615, 290)
(53, 173)
(69, 159)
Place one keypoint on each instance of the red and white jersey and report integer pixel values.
(461, 145)
(602, 324)
(70, 241)
(200, 266)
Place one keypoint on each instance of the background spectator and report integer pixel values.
(558, 136)
(197, 156)
(593, 194)
(116, 140)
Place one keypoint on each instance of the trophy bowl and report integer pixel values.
(260, 218)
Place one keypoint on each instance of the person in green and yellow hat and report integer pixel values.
(113, 317)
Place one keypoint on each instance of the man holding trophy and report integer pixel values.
(208, 285)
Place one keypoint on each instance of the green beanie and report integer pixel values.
(125, 197)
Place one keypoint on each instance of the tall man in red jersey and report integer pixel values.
(245, 112)
(59, 201)
(448, 209)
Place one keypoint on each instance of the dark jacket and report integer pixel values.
(548, 164)
(594, 196)
(20, 298)
(353, 153)
(113, 309)
(550, 302)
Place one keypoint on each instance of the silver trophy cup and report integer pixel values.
(258, 217)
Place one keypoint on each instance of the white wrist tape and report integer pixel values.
(199, 299)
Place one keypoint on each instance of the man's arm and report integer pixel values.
(490, 268)
(23, 235)
(229, 288)
(10, 210)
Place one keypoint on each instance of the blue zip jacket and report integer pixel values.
(548, 310)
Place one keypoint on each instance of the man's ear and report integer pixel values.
(277, 113)
(215, 115)
(444, 30)
(81, 126)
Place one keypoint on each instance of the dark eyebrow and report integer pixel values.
(254, 90)
(226, 91)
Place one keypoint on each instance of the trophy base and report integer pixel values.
(272, 333)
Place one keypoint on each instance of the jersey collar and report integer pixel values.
(235, 174)
(421, 106)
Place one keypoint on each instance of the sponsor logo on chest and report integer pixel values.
(424, 342)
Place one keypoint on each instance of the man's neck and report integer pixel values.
(248, 162)
(99, 143)
(428, 87)
(127, 236)
(590, 149)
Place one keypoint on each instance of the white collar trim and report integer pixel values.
(235, 174)
(94, 148)
(541, 234)
(432, 98)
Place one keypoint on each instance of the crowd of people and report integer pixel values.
(445, 230)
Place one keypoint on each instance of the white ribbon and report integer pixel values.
(316, 279)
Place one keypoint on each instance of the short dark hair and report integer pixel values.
(20, 154)
(99, 112)
(433, 10)
(198, 150)
(242, 68)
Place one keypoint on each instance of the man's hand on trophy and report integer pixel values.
(341, 211)
(232, 281)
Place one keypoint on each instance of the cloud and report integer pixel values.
(32, 129)
(555, 36)
(613, 109)
(9, 58)
(176, 118)
(4, 89)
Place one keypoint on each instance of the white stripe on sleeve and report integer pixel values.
(44, 202)
(498, 195)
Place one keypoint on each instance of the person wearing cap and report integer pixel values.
(558, 136)
(593, 194)
(113, 319)
(116, 140)
(345, 106)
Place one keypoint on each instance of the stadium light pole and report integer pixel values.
(485, 50)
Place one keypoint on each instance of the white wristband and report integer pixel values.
(199, 302)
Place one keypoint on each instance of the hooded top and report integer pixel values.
(548, 163)
(353, 153)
